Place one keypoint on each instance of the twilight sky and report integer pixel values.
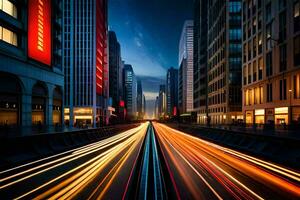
(149, 32)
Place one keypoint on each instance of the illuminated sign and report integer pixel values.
(283, 110)
(260, 112)
(122, 104)
(39, 30)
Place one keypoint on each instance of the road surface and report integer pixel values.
(99, 170)
(203, 170)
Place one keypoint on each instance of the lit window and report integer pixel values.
(8, 36)
(9, 8)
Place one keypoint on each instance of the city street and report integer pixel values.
(99, 170)
(128, 165)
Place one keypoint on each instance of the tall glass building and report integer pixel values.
(172, 91)
(224, 70)
(85, 62)
(185, 78)
(130, 91)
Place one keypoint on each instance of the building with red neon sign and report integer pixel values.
(85, 62)
(31, 73)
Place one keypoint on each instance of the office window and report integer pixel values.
(268, 12)
(297, 51)
(260, 43)
(254, 24)
(297, 16)
(269, 36)
(261, 99)
(249, 73)
(245, 74)
(296, 86)
(282, 90)
(260, 68)
(254, 47)
(254, 71)
(269, 64)
(282, 26)
(9, 8)
(8, 36)
(281, 4)
(259, 21)
(269, 92)
(282, 64)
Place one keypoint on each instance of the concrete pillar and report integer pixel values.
(49, 105)
(26, 109)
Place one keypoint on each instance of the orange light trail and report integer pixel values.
(218, 166)
(115, 150)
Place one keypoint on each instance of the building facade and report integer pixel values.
(162, 101)
(140, 100)
(172, 92)
(85, 62)
(200, 60)
(185, 82)
(31, 77)
(115, 66)
(224, 68)
(271, 62)
(130, 92)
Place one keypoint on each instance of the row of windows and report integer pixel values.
(256, 95)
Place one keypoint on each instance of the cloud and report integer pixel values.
(138, 42)
(150, 95)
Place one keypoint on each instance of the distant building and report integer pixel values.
(224, 70)
(172, 91)
(200, 60)
(130, 89)
(185, 77)
(85, 62)
(271, 62)
(31, 74)
(115, 66)
(162, 101)
(140, 100)
(156, 112)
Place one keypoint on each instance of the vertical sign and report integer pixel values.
(39, 30)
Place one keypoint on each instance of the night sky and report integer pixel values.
(149, 32)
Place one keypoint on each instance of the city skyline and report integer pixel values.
(149, 38)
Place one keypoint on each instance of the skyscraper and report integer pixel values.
(200, 60)
(224, 61)
(185, 99)
(85, 62)
(130, 91)
(172, 91)
(140, 99)
(31, 76)
(271, 62)
(162, 101)
(115, 64)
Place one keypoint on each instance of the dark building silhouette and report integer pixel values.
(115, 66)
(200, 60)
(172, 91)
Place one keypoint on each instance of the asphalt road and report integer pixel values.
(99, 170)
(202, 170)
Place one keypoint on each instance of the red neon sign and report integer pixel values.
(39, 30)
(122, 104)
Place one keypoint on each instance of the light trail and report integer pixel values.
(94, 159)
(227, 173)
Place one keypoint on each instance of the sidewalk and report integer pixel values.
(277, 132)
